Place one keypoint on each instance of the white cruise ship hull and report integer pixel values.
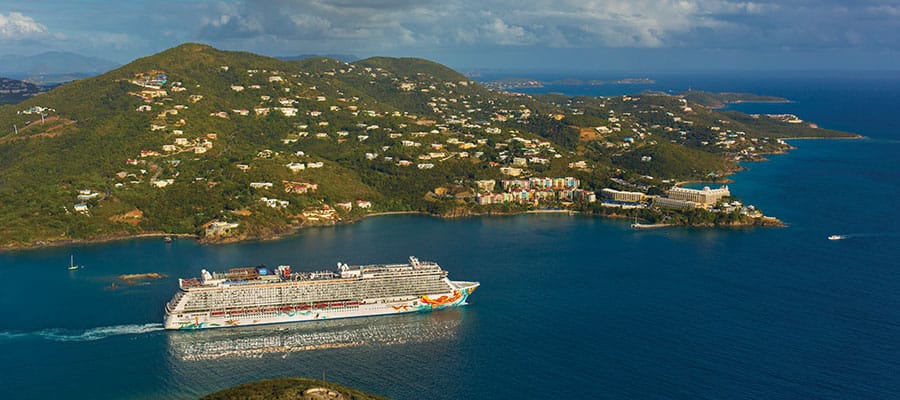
(312, 312)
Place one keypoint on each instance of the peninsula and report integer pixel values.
(528, 83)
(720, 100)
(228, 146)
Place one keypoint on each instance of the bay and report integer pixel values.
(569, 305)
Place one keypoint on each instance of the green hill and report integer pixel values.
(193, 138)
(291, 388)
(719, 100)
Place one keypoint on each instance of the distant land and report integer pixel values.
(526, 83)
(229, 146)
(293, 389)
(13, 91)
(53, 67)
(340, 57)
(720, 100)
(53, 80)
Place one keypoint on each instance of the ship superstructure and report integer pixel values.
(258, 295)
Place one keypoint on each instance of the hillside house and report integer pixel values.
(275, 203)
(260, 185)
(219, 228)
(300, 187)
(296, 167)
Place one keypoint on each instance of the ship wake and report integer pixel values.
(84, 335)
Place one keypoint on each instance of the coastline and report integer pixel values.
(854, 137)
(762, 221)
(97, 240)
(724, 105)
(378, 214)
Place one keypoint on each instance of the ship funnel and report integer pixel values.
(205, 275)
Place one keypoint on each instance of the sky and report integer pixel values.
(581, 35)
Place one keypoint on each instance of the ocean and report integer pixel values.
(568, 306)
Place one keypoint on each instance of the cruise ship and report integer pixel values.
(258, 295)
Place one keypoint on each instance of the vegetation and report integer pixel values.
(193, 135)
(719, 100)
(291, 388)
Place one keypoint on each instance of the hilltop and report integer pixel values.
(291, 388)
(232, 145)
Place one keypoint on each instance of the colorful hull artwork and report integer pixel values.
(445, 300)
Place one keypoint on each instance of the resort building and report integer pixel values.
(618, 195)
(666, 202)
(705, 196)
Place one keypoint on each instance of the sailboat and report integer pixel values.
(72, 265)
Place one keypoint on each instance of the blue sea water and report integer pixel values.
(569, 305)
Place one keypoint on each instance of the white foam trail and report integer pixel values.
(869, 235)
(88, 335)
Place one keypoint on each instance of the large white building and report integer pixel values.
(618, 195)
(705, 196)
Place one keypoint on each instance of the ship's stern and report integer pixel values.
(170, 322)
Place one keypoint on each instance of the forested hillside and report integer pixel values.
(232, 145)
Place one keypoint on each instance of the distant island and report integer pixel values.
(14, 91)
(525, 83)
(720, 100)
(52, 66)
(293, 389)
(228, 146)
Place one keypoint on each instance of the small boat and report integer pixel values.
(72, 265)
(167, 239)
(837, 237)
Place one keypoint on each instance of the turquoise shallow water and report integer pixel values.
(568, 305)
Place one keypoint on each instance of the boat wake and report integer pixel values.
(862, 235)
(73, 335)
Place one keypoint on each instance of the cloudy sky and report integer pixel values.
(651, 35)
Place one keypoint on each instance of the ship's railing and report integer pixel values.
(172, 304)
(417, 268)
(422, 265)
(189, 283)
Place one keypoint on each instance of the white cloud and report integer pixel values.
(410, 25)
(505, 34)
(16, 26)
